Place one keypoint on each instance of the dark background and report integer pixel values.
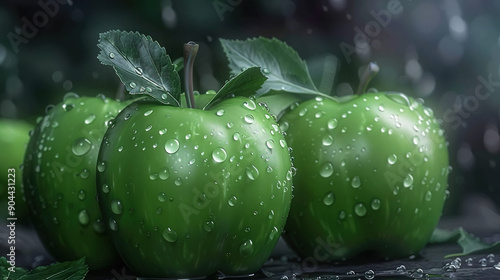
(435, 50)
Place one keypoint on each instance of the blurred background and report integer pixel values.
(445, 52)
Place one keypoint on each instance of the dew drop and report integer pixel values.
(236, 136)
(101, 166)
(98, 226)
(178, 182)
(342, 214)
(169, 235)
(252, 172)
(116, 207)
(392, 159)
(376, 204)
(171, 146)
(209, 226)
(83, 217)
(284, 126)
(232, 200)
(220, 112)
(90, 119)
(148, 112)
(282, 143)
(416, 140)
(271, 215)
(111, 55)
(369, 275)
(105, 188)
(248, 119)
(246, 248)
(329, 199)
(113, 225)
(81, 146)
(139, 71)
(84, 174)
(82, 195)
(332, 123)
(164, 174)
(219, 154)
(303, 112)
(274, 233)
(270, 144)
(356, 182)
(381, 108)
(249, 105)
(360, 209)
(266, 71)
(326, 170)
(428, 196)
(408, 181)
(327, 140)
(162, 197)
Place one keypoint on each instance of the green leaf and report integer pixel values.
(472, 245)
(285, 70)
(72, 270)
(246, 83)
(142, 65)
(444, 236)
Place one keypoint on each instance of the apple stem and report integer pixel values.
(190, 51)
(370, 72)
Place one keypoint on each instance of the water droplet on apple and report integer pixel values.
(355, 182)
(376, 204)
(172, 146)
(90, 119)
(252, 172)
(328, 140)
(105, 188)
(116, 207)
(209, 226)
(84, 174)
(392, 159)
(326, 170)
(360, 209)
(81, 146)
(248, 119)
(232, 200)
(164, 174)
(249, 105)
(83, 217)
(113, 225)
(219, 155)
(416, 140)
(236, 136)
(101, 166)
(329, 199)
(82, 195)
(408, 181)
(428, 196)
(178, 182)
(246, 248)
(270, 144)
(169, 235)
(274, 233)
(220, 112)
(303, 112)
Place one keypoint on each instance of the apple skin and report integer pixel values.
(189, 192)
(372, 175)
